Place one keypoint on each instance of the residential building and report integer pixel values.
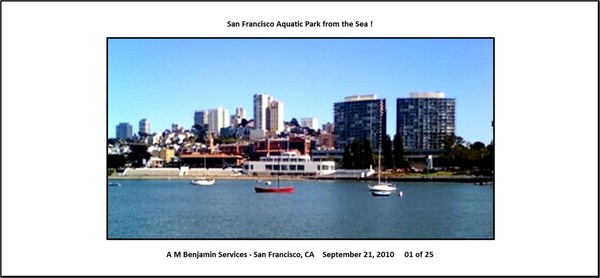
(240, 112)
(309, 122)
(239, 132)
(200, 118)
(424, 120)
(166, 154)
(275, 117)
(144, 126)
(236, 120)
(217, 118)
(326, 140)
(261, 103)
(328, 128)
(124, 131)
(362, 117)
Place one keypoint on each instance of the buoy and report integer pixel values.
(400, 194)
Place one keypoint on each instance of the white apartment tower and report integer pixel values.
(261, 103)
(217, 118)
(240, 113)
(310, 122)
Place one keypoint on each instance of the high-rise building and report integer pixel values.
(261, 103)
(310, 122)
(175, 127)
(424, 120)
(240, 113)
(362, 117)
(328, 128)
(200, 118)
(275, 117)
(144, 126)
(217, 118)
(124, 131)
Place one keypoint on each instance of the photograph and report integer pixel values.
(300, 138)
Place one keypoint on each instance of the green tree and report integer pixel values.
(138, 154)
(366, 155)
(355, 154)
(399, 161)
(388, 155)
(477, 145)
(347, 158)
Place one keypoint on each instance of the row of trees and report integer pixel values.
(457, 154)
(360, 155)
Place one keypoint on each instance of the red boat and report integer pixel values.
(287, 189)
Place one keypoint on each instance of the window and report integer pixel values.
(293, 167)
(300, 167)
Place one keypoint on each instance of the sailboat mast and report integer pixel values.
(379, 167)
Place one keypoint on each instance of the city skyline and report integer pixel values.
(170, 79)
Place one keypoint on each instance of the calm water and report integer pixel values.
(317, 209)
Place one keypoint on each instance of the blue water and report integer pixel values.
(176, 209)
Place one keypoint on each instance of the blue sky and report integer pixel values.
(166, 80)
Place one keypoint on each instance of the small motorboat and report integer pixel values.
(114, 184)
(203, 181)
(381, 193)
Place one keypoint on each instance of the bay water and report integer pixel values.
(230, 209)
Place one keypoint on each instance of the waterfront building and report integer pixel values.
(328, 155)
(124, 131)
(261, 103)
(424, 120)
(288, 163)
(200, 118)
(144, 126)
(217, 118)
(309, 122)
(362, 117)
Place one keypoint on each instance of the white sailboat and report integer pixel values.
(381, 187)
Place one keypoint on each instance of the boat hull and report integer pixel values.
(382, 187)
(381, 193)
(203, 182)
(288, 189)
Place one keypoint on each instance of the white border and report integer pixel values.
(54, 112)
